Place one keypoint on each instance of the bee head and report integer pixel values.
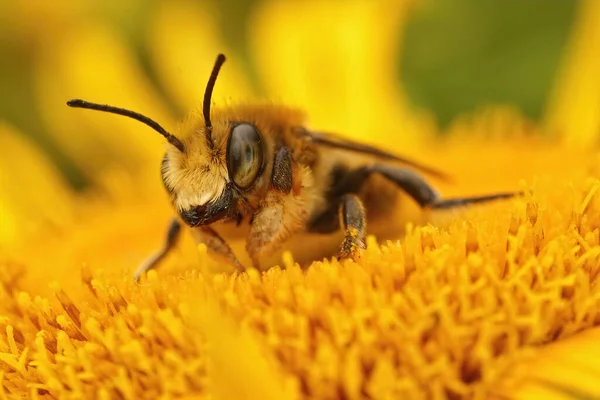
(214, 168)
(219, 181)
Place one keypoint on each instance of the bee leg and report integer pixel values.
(282, 211)
(353, 220)
(173, 234)
(217, 247)
(279, 218)
(423, 193)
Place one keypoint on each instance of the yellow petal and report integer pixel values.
(183, 43)
(94, 64)
(339, 63)
(574, 108)
(562, 370)
(240, 367)
(31, 21)
(34, 194)
(490, 150)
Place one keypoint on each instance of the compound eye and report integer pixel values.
(244, 155)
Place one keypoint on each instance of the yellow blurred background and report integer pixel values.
(448, 56)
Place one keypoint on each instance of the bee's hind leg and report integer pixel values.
(424, 194)
(173, 234)
(354, 222)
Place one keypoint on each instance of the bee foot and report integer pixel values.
(351, 249)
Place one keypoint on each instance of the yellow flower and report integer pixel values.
(574, 110)
(488, 302)
(37, 190)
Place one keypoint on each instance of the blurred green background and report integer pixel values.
(457, 55)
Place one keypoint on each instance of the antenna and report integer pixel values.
(77, 103)
(207, 98)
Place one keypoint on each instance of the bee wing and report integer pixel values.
(331, 140)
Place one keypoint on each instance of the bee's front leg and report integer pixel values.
(173, 234)
(204, 234)
(279, 217)
(216, 245)
(282, 212)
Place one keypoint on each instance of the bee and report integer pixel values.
(261, 164)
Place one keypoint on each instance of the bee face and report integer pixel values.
(219, 183)
(216, 171)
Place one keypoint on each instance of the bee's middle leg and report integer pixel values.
(345, 212)
(354, 222)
